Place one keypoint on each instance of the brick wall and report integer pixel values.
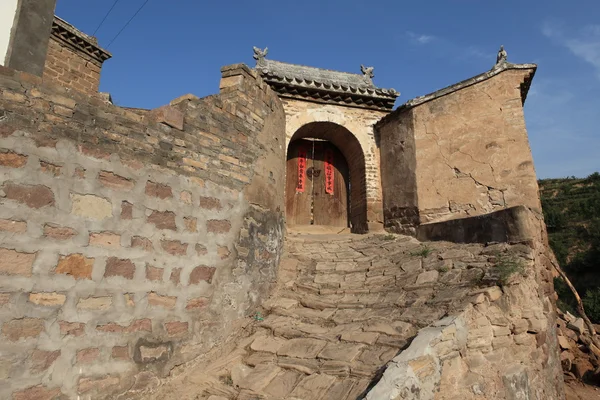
(464, 153)
(131, 243)
(71, 68)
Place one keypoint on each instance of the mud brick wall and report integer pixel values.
(71, 68)
(462, 154)
(131, 242)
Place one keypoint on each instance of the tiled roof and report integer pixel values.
(323, 85)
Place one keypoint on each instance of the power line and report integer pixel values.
(128, 22)
(106, 16)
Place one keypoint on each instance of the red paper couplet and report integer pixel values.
(329, 172)
(302, 153)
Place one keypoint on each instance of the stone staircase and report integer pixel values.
(344, 306)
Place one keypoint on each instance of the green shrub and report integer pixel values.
(423, 252)
(507, 265)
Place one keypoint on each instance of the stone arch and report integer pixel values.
(352, 150)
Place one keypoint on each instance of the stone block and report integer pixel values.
(119, 267)
(302, 348)
(152, 352)
(175, 276)
(341, 351)
(87, 356)
(100, 303)
(41, 360)
(313, 386)
(176, 328)
(38, 392)
(91, 206)
(58, 232)
(14, 262)
(47, 299)
(159, 190)
(100, 385)
(141, 243)
(162, 219)
(9, 225)
(155, 299)
(196, 303)
(71, 328)
(105, 239)
(167, 115)
(22, 328)
(223, 252)
(185, 197)
(218, 226)
(50, 168)
(12, 159)
(427, 277)
(174, 247)
(210, 203)
(268, 344)
(120, 353)
(191, 224)
(113, 181)
(76, 265)
(201, 250)
(201, 273)
(126, 210)
(153, 273)
(34, 196)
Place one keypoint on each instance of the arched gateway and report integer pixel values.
(332, 171)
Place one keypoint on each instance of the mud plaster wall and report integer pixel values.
(472, 154)
(131, 243)
(360, 123)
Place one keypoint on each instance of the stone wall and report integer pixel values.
(359, 123)
(71, 68)
(500, 343)
(460, 152)
(131, 242)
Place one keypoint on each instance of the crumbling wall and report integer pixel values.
(131, 243)
(467, 147)
(501, 343)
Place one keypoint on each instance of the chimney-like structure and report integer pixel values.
(74, 58)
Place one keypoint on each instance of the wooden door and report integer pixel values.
(317, 184)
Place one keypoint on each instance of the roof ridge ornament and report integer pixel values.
(367, 74)
(259, 56)
(501, 58)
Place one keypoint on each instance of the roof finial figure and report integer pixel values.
(259, 55)
(501, 58)
(367, 73)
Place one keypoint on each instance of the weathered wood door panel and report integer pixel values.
(320, 196)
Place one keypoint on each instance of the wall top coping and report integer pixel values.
(85, 43)
(498, 69)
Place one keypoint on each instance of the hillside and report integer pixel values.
(572, 212)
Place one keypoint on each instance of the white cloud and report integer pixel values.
(585, 43)
(417, 38)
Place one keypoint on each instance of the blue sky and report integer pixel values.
(176, 47)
